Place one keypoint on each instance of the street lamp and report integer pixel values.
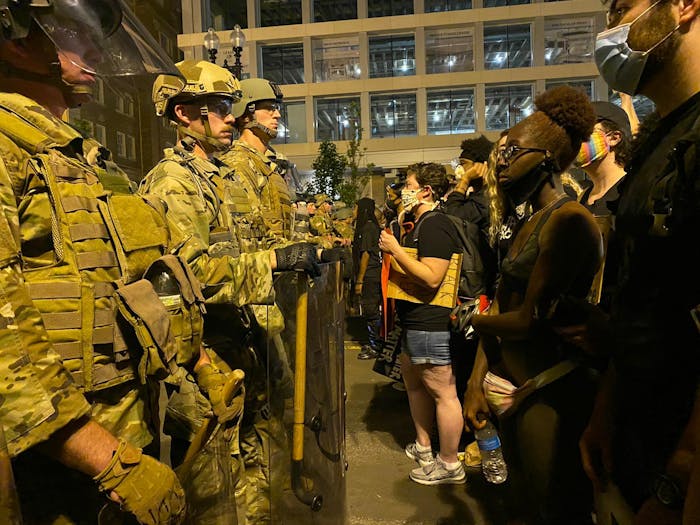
(211, 42)
(237, 42)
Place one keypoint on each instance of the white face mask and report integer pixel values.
(621, 66)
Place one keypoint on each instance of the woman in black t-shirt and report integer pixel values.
(368, 284)
(426, 364)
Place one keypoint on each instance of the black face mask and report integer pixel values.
(520, 190)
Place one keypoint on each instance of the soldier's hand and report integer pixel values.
(146, 488)
(214, 383)
(299, 256)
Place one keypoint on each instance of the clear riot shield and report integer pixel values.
(306, 393)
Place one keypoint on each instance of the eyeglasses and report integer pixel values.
(509, 152)
(222, 106)
(269, 106)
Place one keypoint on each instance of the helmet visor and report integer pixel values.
(103, 38)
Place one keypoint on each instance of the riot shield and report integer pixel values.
(306, 455)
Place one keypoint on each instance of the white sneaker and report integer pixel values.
(437, 473)
(422, 458)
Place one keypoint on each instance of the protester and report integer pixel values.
(646, 398)
(368, 278)
(550, 264)
(426, 363)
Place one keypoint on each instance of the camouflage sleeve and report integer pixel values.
(231, 280)
(37, 395)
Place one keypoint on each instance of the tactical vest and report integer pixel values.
(80, 242)
(273, 197)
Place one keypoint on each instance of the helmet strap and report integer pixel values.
(201, 138)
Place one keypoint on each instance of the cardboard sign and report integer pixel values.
(404, 288)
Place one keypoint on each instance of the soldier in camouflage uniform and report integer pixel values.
(75, 377)
(342, 223)
(224, 248)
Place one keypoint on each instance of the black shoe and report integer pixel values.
(367, 353)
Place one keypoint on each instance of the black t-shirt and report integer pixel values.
(437, 238)
(368, 241)
(656, 342)
(600, 207)
(473, 207)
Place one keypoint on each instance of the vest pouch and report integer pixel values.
(141, 307)
(180, 294)
(139, 232)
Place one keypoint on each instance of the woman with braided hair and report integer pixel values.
(550, 264)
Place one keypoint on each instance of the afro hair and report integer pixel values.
(476, 150)
(570, 109)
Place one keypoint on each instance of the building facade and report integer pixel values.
(121, 115)
(418, 76)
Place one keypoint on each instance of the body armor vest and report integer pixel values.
(272, 195)
(80, 242)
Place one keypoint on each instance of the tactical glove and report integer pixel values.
(212, 382)
(147, 488)
(299, 256)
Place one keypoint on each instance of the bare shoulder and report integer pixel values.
(574, 223)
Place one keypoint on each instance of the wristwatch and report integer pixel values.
(667, 491)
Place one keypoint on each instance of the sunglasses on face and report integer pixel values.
(269, 106)
(221, 106)
(510, 152)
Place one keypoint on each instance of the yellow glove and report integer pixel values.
(213, 383)
(148, 489)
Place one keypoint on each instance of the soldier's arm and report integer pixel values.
(232, 280)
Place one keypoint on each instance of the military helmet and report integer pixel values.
(255, 90)
(124, 46)
(200, 78)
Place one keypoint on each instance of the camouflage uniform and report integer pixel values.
(267, 189)
(201, 202)
(65, 249)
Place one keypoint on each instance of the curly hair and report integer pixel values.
(563, 120)
(622, 149)
(435, 176)
(476, 150)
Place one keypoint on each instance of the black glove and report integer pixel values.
(300, 256)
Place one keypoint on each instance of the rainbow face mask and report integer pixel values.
(596, 148)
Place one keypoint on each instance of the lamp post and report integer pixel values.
(211, 42)
(237, 43)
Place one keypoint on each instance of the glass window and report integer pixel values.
(507, 105)
(336, 59)
(586, 85)
(336, 118)
(432, 6)
(451, 111)
(222, 15)
(392, 56)
(389, 7)
(101, 134)
(283, 63)
(121, 144)
(327, 10)
(280, 12)
(130, 147)
(292, 125)
(569, 41)
(393, 115)
(642, 105)
(507, 46)
(449, 50)
(125, 104)
(99, 91)
(501, 3)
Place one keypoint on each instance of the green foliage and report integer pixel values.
(354, 155)
(83, 126)
(329, 168)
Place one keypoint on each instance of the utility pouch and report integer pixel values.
(141, 307)
(185, 309)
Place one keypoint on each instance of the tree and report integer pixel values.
(354, 156)
(329, 168)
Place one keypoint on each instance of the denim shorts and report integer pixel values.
(427, 348)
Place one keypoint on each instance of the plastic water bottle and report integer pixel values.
(492, 463)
